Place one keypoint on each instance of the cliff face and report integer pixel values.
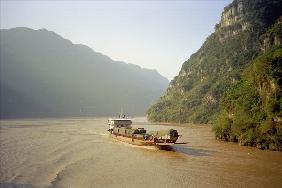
(251, 110)
(232, 20)
(232, 14)
(242, 15)
(273, 37)
(193, 95)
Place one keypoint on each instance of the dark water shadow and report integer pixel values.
(15, 185)
(187, 151)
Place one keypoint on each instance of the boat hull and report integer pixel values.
(138, 142)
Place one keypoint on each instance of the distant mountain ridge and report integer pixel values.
(45, 75)
(194, 95)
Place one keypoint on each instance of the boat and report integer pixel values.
(121, 129)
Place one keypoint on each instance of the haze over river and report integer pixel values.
(41, 153)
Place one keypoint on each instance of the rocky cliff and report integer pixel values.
(242, 15)
(273, 37)
(194, 95)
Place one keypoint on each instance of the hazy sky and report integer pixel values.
(159, 35)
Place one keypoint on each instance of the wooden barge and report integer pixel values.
(122, 130)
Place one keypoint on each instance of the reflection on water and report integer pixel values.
(79, 153)
(187, 150)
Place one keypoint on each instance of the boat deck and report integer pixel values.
(139, 142)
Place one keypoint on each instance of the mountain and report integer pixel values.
(194, 95)
(45, 75)
(251, 110)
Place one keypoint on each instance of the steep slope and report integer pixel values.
(193, 95)
(44, 75)
(251, 110)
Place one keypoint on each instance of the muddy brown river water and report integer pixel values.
(41, 153)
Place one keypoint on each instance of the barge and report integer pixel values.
(121, 129)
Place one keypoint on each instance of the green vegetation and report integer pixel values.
(194, 95)
(225, 82)
(251, 111)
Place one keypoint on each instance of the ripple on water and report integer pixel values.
(78, 153)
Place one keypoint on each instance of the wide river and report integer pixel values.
(74, 153)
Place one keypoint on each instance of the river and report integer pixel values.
(76, 152)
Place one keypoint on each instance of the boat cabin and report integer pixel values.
(118, 123)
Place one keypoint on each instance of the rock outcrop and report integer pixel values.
(242, 15)
(273, 37)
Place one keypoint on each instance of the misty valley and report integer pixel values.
(72, 115)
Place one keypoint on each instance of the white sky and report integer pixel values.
(158, 35)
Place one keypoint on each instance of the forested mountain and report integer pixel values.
(251, 110)
(45, 75)
(194, 95)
